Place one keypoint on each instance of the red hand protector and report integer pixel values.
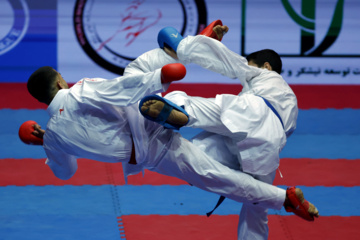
(26, 136)
(208, 31)
(172, 72)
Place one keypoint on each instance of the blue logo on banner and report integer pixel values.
(14, 23)
(28, 38)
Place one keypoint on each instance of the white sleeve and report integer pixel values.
(62, 165)
(121, 91)
(148, 62)
(142, 77)
(215, 56)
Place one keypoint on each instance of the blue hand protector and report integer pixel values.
(169, 36)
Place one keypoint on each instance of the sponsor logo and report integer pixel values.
(319, 25)
(14, 23)
(306, 21)
(113, 35)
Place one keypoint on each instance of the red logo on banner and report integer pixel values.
(113, 35)
(134, 23)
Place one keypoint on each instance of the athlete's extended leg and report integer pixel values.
(185, 161)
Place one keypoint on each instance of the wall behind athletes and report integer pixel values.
(318, 40)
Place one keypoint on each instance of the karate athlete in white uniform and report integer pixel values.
(99, 119)
(245, 132)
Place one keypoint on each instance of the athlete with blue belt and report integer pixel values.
(244, 132)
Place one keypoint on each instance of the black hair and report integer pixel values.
(41, 84)
(266, 55)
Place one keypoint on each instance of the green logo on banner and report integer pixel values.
(307, 23)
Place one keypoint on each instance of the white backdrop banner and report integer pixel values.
(318, 40)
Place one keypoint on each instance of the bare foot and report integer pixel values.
(312, 209)
(220, 30)
(292, 206)
(153, 108)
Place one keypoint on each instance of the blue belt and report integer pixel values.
(272, 109)
(222, 198)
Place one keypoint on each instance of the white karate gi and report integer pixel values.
(244, 121)
(98, 119)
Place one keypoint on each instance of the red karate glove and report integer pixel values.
(209, 32)
(26, 135)
(172, 72)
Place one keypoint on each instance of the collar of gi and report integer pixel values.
(57, 102)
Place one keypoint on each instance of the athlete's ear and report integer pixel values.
(61, 84)
(267, 66)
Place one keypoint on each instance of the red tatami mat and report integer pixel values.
(323, 228)
(22, 172)
(194, 227)
(307, 172)
(318, 172)
(16, 96)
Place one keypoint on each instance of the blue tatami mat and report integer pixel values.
(108, 200)
(58, 227)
